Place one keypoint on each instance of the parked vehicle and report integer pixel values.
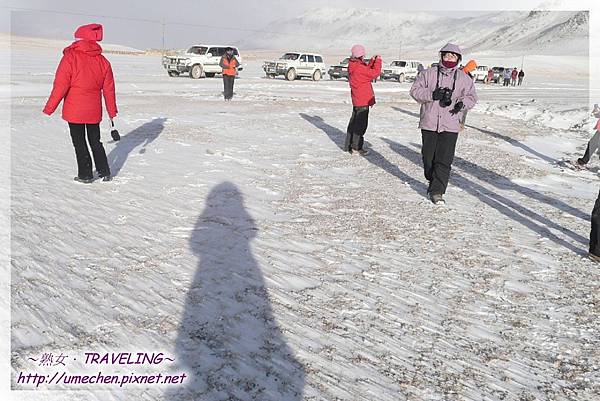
(498, 74)
(199, 61)
(295, 65)
(480, 74)
(401, 70)
(340, 70)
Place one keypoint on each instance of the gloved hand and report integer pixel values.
(458, 106)
(438, 93)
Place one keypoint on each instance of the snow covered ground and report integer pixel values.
(238, 239)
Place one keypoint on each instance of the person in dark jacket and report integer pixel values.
(521, 76)
(444, 94)
(594, 251)
(83, 76)
(593, 144)
(229, 63)
(360, 76)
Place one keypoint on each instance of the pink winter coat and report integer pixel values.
(433, 116)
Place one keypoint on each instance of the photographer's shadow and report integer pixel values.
(141, 137)
(228, 340)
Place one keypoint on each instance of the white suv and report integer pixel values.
(400, 70)
(480, 74)
(199, 61)
(294, 65)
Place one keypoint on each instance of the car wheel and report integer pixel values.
(316, 75)
(196, 71)
(401, 78)
(210, 75)
(290, 75)
(173, 73)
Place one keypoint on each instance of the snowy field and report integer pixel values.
(238, 239)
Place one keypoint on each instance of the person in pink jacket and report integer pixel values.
(360, 77)
(83, 76)
(444, 94)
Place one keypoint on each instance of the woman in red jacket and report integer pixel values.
(360, 76)
(82, 77)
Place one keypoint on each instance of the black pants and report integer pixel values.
(84, 162)
(506, 82)
(228, 86)
(438, 153)
(592, 147)
(357, 128)
(595, 233)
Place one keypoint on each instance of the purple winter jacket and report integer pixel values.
(433, 116)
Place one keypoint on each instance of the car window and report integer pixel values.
(200, 50)
(303, 58)
(399, 63)
(318, 59)
(290, 56)
(214, 51)
(311, 58)
(235, 52)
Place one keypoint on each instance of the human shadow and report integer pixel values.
(520, 214)
(408, 112)
(336, 135)
(228, 340)
(515, 143)
(502, 182)
(141, 136)
(497, 135)
(380, 161)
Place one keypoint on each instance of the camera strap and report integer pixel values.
(437, 84)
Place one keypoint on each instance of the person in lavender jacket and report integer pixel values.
(444, 93)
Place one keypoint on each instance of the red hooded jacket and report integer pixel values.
(360, 76)
(82, 77)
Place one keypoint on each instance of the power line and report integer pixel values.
(162, 22)
(80, 14)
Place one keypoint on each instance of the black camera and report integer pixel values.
(446, 99)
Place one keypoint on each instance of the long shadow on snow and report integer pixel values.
(337, 136)
(505, 138)
(142, 135)
(376, 158)
(502, 182)
(520, 214)
(228, 340)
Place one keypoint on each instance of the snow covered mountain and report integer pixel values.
(330, 29)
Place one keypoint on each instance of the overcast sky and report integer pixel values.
(118, 16)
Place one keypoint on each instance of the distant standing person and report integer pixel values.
(490, 77)
(444, 94)
(513, 76)
(521, 76)
(83, 76)
(507, 75)
(360, 76)
(229, 63)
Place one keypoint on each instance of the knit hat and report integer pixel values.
(358, 51)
